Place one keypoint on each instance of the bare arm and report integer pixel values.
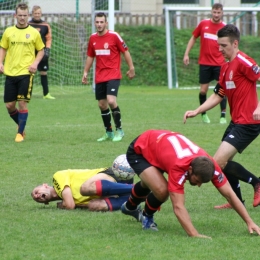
(88, 65)
(231, 197)
(131, 72)
(33, 67)
(2, 57)
(211, 102)
(190, 44)
(67, 199)
(183, 216)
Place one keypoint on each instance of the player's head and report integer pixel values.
(42, 193)
(101, 23)
(228, 41)
(36, 13)
(22, 15)
(217, 12)
(201, 170)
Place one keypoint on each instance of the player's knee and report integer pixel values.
(161, 194)
(88, 189)
(97, 205)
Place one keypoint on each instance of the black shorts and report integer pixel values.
(110, 172)
(137, 162)
(240, 136)
(107, 88)
(43, 65)
(208, 73)
(18, 88)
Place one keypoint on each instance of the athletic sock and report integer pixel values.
(223, 105)
(106, 117)
(14, 115)
(117, 117)
(138, 195)
(44, 82)
(202, 99)
(22, 118)
(115, 203)
(235, 185)
(152, 204)
(108, 188)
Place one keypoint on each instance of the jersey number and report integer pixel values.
(179, 150)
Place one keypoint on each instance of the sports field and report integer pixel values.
(62, 133)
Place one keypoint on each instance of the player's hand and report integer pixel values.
(186, 60)
(256, 114)
(131, 73)
(85, 78)
(253, 227)
(1, 68)
(33, 68)
(188, 114)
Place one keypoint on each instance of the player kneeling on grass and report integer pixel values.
(157, 151)
(96, 190)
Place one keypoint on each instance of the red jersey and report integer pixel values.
(238, 79)
(106, 49)
(173, 153)
(209, 49)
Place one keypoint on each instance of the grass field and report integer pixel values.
(62, 134)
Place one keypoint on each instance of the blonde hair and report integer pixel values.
(35, 7)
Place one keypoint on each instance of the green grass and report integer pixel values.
(62, 134)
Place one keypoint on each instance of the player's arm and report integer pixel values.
(237, 205)
(131, 72)
(33, 67)
(190, 44)
(2, 57)
(88, 65)
(67, 199)
(182, 215)
(48, 37)
(211, 102)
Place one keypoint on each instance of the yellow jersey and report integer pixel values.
(74, 179)
(21, 44)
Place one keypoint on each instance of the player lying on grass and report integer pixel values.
(96, 190)
(157, 151)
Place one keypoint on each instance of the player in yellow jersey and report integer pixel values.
(19, 63)
(96, 190)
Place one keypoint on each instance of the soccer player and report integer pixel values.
(210, 58)
(106, 46)
(157, 151)
(95, 190)
(45, 31)
(18, 46)
(237, 82)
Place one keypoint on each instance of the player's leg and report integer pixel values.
(204, 79)
(101, 96)
(112, 91)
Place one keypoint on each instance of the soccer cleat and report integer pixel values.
(149, 224)
(136, 213)
(48, 96)
(19, 138)
(223, 120)
(205, 118)
(224, 206)
(106, 137)
(256, 195)
(119, 134)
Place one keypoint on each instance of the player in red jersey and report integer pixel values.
(237, 82)
(157, 151)
(106, 46)
(45, 31)
(210, 58)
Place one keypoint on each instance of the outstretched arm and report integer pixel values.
(231, 197)
(183, 216)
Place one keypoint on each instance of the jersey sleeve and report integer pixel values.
(219, 178)
(197, 31)
(4, 41)
(91, 50)
(48, 37)
(60, 181)
(120, 43)
(39, 45)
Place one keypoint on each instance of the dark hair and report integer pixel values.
(203, 167)
(230, 31)
(21, 6)
(101, 14)
(217, 6)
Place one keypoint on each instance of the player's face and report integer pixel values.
(101, 25)
(22, 18)
(194, 180)
(37, 14)
(42, 193)
(228, 49)
(216, 15)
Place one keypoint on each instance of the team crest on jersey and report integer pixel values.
(231, 75)
(106, 45)
(256, 69)
(27, 36)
